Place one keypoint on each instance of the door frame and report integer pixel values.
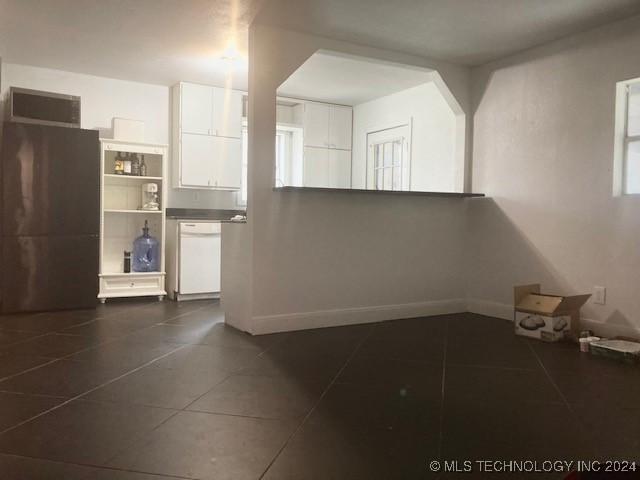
(370, 184)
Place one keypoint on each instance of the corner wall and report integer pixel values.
(321, 259)
(543, 154)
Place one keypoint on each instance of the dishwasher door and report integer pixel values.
(200, 258)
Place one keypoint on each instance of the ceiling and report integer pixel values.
(164, 41)
(334, 78)
(154, 41)
(469, 32)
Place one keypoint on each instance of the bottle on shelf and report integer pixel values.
(143, 167)
(127, 164)
(146, 252)
(127, 262)
(135, 165)
(118, 167)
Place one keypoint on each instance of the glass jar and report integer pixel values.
(146, 252)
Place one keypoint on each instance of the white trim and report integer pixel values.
(490, 309)
(350, 316)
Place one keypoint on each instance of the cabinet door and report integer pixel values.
(340, 127)
(227, 160)
(340, 168)
(196, 102)
(316, 125)
(315, 171)
(197, 160)
(227, 113)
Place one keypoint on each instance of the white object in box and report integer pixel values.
(543, 316)
(128, 130)
(543, 327)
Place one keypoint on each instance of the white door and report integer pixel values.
(196, 160)
(200, 258)
(227, 112)
(196, 103)
(315, 171)
(227, 160)
(316, 125)
(340, 168)
(389, 159)
(340, 124)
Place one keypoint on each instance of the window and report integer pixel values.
(627, 168)
(387, 159)
(288, 151)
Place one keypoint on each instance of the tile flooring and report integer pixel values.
(153, 391)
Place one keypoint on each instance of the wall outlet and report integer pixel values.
(599, 295)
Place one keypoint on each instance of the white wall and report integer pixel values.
(433, 146)
(543, 153)
(316, 258)
(105, 98)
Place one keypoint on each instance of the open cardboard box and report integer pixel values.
(543, 316)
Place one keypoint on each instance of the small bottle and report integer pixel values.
(127, 164)
(127, 262)
(135, 165)
(118, 167)
(143, 167)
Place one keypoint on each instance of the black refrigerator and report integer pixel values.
(50, 207)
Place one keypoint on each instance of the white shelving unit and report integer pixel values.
(121, 220)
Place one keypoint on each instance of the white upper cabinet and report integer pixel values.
(340, 124)
(227, 112)
(316, 125)
(339, 168)
(195, 106)
(207, 131)
(327, 126)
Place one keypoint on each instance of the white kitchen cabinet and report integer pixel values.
(339, 168)
(213, 161)
(196, 103)
(316, 125)
(315, 171)
(227, 170)
(340, 127)
(227, 112)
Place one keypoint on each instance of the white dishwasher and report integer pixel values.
(199, 259)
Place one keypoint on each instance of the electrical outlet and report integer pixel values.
(599, 295)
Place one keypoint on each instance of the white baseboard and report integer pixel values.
(351, 316)
(490, 309)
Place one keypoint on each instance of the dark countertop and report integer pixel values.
(202, 214)
(378, 192)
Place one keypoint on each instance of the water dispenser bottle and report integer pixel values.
(146, 252)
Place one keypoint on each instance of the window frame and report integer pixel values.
(622, 138)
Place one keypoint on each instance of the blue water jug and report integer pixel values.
(146, 252)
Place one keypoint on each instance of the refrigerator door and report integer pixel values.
(50, 180)
(49, 273)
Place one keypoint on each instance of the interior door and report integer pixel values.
(316, 125)
(227, 112)
(340, 168)
(196, 105)
(227, 160)
(315, 171)
(197, 160)
(340, 127)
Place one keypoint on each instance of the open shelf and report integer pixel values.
(116, 210)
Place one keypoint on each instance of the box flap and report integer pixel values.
(537, 303)
(521, 291)
(572, 303)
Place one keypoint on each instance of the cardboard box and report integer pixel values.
(543, 316)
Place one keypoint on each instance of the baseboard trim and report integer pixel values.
(490, 309)
(351, 316)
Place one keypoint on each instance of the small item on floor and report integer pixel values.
(545, 317)
(127, 262)
(626, 351)
(585, 342)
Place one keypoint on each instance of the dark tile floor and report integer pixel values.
(143, 391)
